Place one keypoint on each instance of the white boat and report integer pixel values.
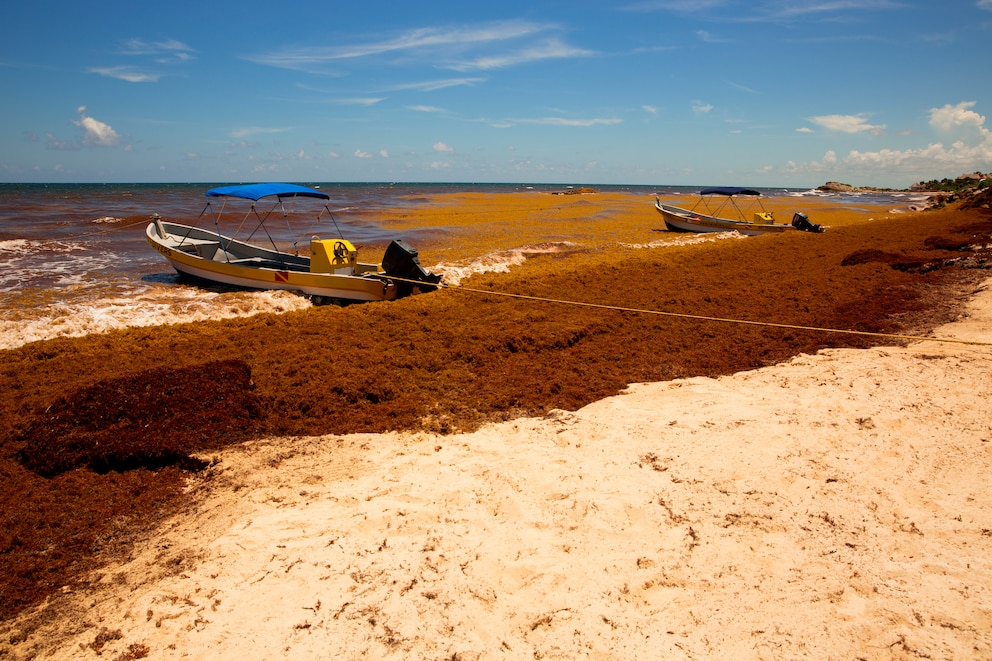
(331, 271)
(678, 219)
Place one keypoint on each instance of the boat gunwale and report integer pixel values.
(331, 285)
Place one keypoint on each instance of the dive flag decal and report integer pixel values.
(282, 276)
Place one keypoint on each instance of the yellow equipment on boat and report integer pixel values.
(763, 218)
(327, 255)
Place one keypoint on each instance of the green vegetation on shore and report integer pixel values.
(975, 181)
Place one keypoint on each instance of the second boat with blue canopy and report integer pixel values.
(702, 217)
(328, 271)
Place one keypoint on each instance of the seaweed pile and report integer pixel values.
(100, 435)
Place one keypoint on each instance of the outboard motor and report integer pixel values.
(801, 222)
(401, 261)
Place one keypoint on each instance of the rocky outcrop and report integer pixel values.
(978, 199)
(971, 190)
(837, 187)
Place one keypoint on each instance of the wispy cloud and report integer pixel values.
(425, 108)
(434, 85)
(444, 147)
(848, 123)
(248, 131)
(359, 101)
(163, 53)
(767, 10)
(169, 51)
(710, 38)
(796, 8)
(127, 73)
(678, 6)
(700, 108)
(550, 49)
(438, 46)
(565, 121)
(742, 88)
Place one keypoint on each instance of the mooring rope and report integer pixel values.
(113, 228)
(700, 317)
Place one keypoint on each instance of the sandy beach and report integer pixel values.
(834, 506)
(830, 505)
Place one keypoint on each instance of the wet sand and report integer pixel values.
(453, 475)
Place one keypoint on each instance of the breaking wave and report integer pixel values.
(501, 261)
(157, 306)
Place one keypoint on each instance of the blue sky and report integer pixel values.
(686, 92)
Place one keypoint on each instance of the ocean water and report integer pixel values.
(74, 261)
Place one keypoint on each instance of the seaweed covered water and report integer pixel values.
(74, 260)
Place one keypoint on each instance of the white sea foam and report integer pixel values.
(677, 239)
(15, 246)
(148, 308)
(30, 261)
(25, 246)
(499, 262)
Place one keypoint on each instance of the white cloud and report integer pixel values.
(970, 150)
(985, 4)
(771, 11)
(804, 129)
(791, 9)
(95, 132)
(959, 157)
(440, 146)
(847, 123)
(709, 38)
(362, 154)
(701, 108)
(649, 109)
(383, 153)
(550, 49)
(425, 108)
(255, 130)
(359, 101)
(168, 50)
(563, 121)
(680, 6)
(743, 88)
(422, 39)
(434, 85)
(959, 121)
(128, 73)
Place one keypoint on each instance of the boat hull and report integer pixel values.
(678, 219)
(196, 253)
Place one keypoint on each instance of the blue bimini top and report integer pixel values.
(728, 190)
(258, 191)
